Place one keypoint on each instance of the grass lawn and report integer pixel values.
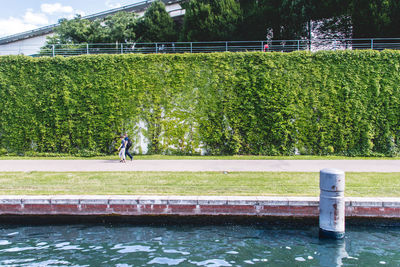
(171, 157)
(192, 183)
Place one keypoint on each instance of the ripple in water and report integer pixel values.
(17, 249)
(172, 251)
(129, 245)
(168, 261)
(300, 259)
(132, 249)
(212, 263)
(13, 233)
(8, 262)
(52, 263)
(71, 248)
(59, 245)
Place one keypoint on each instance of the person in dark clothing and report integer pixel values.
(128, 144)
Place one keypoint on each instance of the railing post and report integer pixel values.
(191, 47)
(226, 46)
(334, 45)
(372, 44)
(54, 50)
(298, 45)
(122, 48)
(87, 49)
(262, 46)
(156, 48)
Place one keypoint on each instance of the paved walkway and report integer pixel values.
(199, 165)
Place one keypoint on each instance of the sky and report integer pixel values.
(23, 15)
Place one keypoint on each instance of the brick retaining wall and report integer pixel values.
(191, 205)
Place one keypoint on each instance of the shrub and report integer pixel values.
(344, 103)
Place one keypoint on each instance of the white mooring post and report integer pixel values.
(331, 204)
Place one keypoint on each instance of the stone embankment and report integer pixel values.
(191, 205)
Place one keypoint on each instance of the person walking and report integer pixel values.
(128, 144)
(121, 149)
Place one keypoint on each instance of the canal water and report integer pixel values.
(195, 245)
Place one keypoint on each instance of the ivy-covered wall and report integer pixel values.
(345, 103)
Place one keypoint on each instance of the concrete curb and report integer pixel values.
(191, 205)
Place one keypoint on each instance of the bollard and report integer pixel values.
(331, 204)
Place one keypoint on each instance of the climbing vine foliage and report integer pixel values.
(344, 103)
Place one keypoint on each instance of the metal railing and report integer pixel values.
(208, 47)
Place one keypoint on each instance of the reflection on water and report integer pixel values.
(185, 245)
(334, 252)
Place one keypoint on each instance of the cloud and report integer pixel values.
(27, 22)
(56, 8)
(77, 12)
(35, 18)
(80, 12)
(31, 20)
(111, 4)
(14, 25)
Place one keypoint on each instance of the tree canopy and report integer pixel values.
(117, 28)
(376, 18)
(214, 20)
(156, 25)
(211, 20)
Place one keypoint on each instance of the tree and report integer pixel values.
(257, 19)
(395, 18)
(276, 19)
(120, 27)
(218, 20)
(291, 19)
(211, 20)
(76, 30)
(295, 16)
(370, 18)
(156, 25)
(375, 18)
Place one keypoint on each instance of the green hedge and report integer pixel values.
(345, 103)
